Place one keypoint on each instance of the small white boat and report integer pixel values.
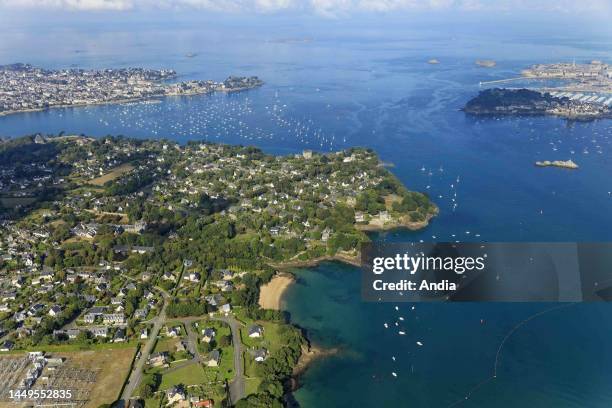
(401, 318)
(402, 333)
(419, 343)
(394, 374)
(396, 308)
(386, 326)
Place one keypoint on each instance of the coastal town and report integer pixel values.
(502, 101)
(26, 88)
(156, 251)
(595, 76)
(576, 91)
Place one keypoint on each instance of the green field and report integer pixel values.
(60, 348)
(225, 371)
(166, 344)
(251, 385)
(192, 374)
(271, 339)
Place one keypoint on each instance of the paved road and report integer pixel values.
(192, 342)
(237, 386)
(136, 374)
(179, 366)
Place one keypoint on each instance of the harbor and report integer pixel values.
(585, 83)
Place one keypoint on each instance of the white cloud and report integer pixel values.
(71, 4)
(323, 7)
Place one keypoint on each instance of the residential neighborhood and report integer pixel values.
(160, 248)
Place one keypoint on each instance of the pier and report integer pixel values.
(501, 81)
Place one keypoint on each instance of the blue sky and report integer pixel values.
(326, 8)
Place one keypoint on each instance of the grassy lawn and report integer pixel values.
(251, 385)
(271, 339)
(61, 348)
(226, 368)
(166, 344)
(113, 174)
(152, 402)
(191, 375)
(249, 367)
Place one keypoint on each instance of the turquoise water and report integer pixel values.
(560, 359)
(331, 86)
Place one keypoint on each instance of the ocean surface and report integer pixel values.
(336, 84)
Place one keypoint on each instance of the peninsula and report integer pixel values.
(499, 101)
(26, 88)
(158, 252)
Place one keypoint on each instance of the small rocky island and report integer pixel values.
(564, 164)
(500, 101)
(486, 63)
(24, 87)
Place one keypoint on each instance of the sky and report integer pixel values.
(325, 8)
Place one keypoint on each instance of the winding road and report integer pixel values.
(236, 387)
(136, 373)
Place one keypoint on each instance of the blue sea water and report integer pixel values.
(560, 359)
(332, 85)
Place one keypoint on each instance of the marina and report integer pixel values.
(598, 99)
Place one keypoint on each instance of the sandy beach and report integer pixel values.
(271, 293)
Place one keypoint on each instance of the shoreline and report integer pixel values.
(310, 354)
(570, 117)
(124, 101)
(271, 294)
(398, 224)
(354, 260)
